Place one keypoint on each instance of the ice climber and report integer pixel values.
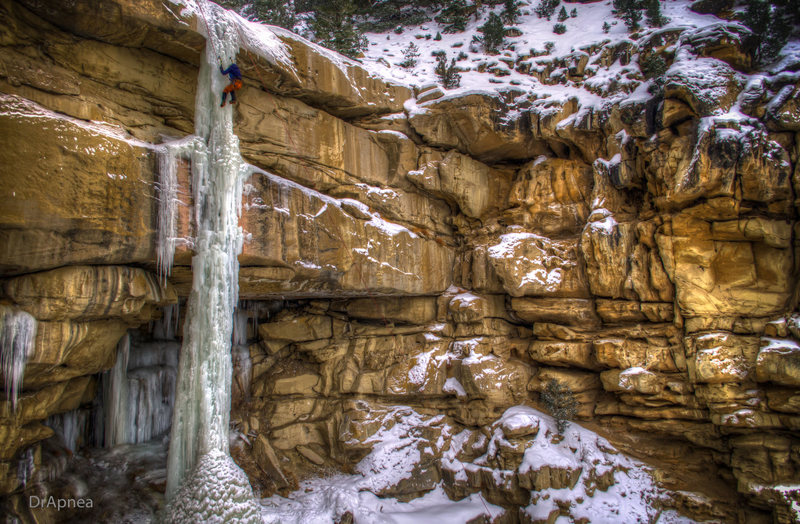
(236, 83)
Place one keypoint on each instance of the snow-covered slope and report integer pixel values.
(525, 64)
(580, 475)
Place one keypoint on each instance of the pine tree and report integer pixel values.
(606, 27)
(560, 401)
(494, 34)
(654, 67)
(410, 55)
(511, 11)
(454, 16)
(653, 13)
(629, 11)
(771, 26)
(559, 29)
(274, 12)
(335, 28)
(546, 8)
(449, 76)
(574, 12)
(562, 15)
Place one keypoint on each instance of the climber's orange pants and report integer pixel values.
(235, 85)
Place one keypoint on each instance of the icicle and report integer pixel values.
(168, 202)
(150, 400)
(139, 392)
(242, 371)
(17, 337)
(25, 467)
(240, 326)
(167, 209)
(70, 427)
(115, 396)
(166, 327)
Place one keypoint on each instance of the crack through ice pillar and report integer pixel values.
(199, 465)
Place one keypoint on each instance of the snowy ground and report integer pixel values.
(633, 496)
(325, 500)
(385, 51)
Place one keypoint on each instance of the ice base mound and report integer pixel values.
(217, 491)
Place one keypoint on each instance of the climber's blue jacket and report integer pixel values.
(232, 72)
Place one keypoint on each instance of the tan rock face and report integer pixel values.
(455, 258)
(621, 261)
(554, 195)
(469, 184)
(90, 293)
(571, 311)
(103, 212)
(622, 353)
(66, 350)
(722, 277)
(721, 357)
(21, 428)
(318, 247)
(531, 265)
(308, 145)
(146, 23)
(778, 361)
(411, 310)
(617, 311)
(721, 155)
(475, 124)
(324, 79)
(470, 308)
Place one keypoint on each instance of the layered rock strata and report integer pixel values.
(454, 258)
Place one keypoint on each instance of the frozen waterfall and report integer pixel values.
(203, 397)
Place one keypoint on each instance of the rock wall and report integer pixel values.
(451, 255)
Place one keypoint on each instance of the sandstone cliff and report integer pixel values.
(451, 255)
